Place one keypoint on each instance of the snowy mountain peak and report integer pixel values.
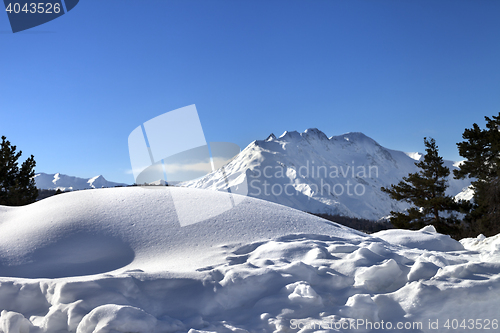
(314, 133)
(290, 135)
(98, 181)
(271, 137)
(308, 133)
(342, 175)
(100, 177)
(356, 138)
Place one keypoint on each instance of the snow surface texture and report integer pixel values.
(70, 183)
(116, 260)
(308, 171)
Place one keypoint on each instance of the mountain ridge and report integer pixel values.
(337, 175)
(70, 183)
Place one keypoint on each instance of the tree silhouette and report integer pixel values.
(17, 184)
(425, 190)
(481, 150)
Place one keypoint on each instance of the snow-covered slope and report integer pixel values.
(64, 182)
(140, 226)
(466, 194)
(259, 267)
(311, 172)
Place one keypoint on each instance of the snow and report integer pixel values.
(118, 260)
(467, 193)
(416, 156)
(117, 318)
(426, 239)
(340, 175)
(69, 183)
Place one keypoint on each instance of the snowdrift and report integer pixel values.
(117, 260)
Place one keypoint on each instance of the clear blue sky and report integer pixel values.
(73, 89)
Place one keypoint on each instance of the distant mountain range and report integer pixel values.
(340, 175)
(69, 183)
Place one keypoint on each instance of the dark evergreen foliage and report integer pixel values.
(481, 150)
(364, 225)
(17, 184)
(45, 193)
(425, 190)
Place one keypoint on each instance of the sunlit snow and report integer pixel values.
(117, 260)
(340, 175)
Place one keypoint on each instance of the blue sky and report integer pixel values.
(73, 89)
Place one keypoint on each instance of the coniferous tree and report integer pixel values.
(17, 185)
(425, 190)
(481, 150)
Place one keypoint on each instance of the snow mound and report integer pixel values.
(97, 231)
(117, 260)
(117, 318)
(488, 247)
(426, 239)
